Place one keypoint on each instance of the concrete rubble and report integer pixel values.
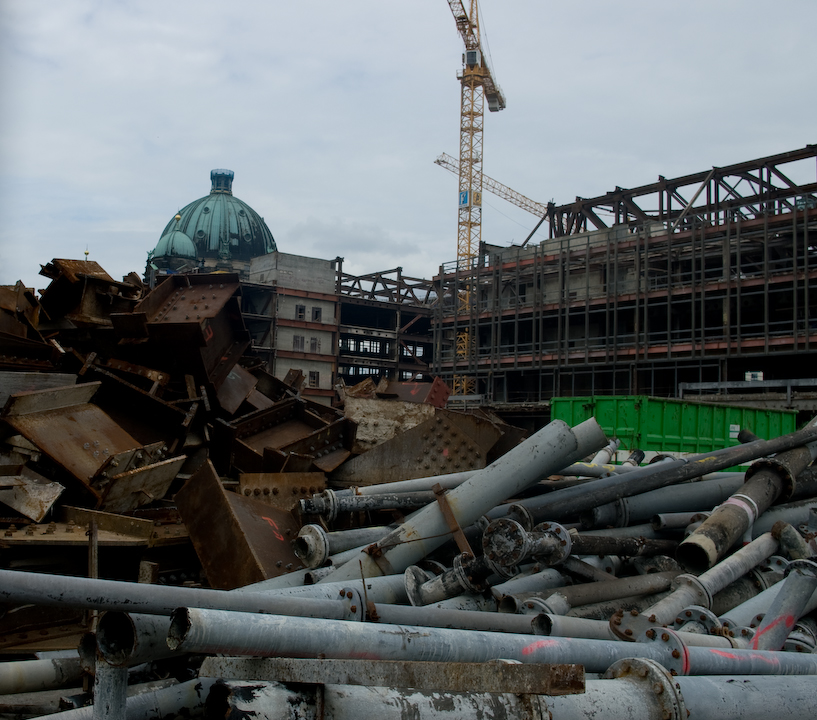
(185, 535)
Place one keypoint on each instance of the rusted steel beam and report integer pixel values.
(423, 676)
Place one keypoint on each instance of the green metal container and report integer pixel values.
(672, 426)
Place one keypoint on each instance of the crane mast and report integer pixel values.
(477, 85)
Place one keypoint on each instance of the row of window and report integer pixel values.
(361, 346)
(299, 344)
(300, 313)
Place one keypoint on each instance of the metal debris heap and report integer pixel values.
(184, 535)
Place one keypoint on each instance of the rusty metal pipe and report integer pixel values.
(329, 504)
(584, 544)
(587, 593)
(552, 447)
(766, 481)
(506, 543)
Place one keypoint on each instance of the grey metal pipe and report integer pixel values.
(541, 580)
(605, 610)
(467, 574)
(383, 589)
(506, 543)
(746, 614)
(66, 591)
(591, 469)
(448, 481)
(588, 572)
(641, 693)
(429, 616)
(565, 626)
(552, 447)
(796, 513)
(677, 520)
(483, 603)
(709, 491)
(766, 480)
(128, 639)
(26, 676)
(645, 530)
(217, 631)
(571, 501)
(681, 659)
(110, 691)
(314, 545)
(183, 699)
(699, 590)
(787, 606)
(606, 454)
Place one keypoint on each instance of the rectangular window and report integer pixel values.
(314, 378)
(298, 343)
(314, 345)
(316, 314)
(300, 312)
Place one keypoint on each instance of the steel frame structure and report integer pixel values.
(699, 290)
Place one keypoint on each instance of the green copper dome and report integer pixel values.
(175, 244)
(220, 225)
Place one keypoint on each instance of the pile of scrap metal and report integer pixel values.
(453, 570)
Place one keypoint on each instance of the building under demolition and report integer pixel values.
(709, 278)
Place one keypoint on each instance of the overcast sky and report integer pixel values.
(332, 113)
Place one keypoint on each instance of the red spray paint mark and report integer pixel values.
(787, 619)
(533, 647)
(274, 526)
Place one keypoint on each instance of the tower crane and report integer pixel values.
(477, 85)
